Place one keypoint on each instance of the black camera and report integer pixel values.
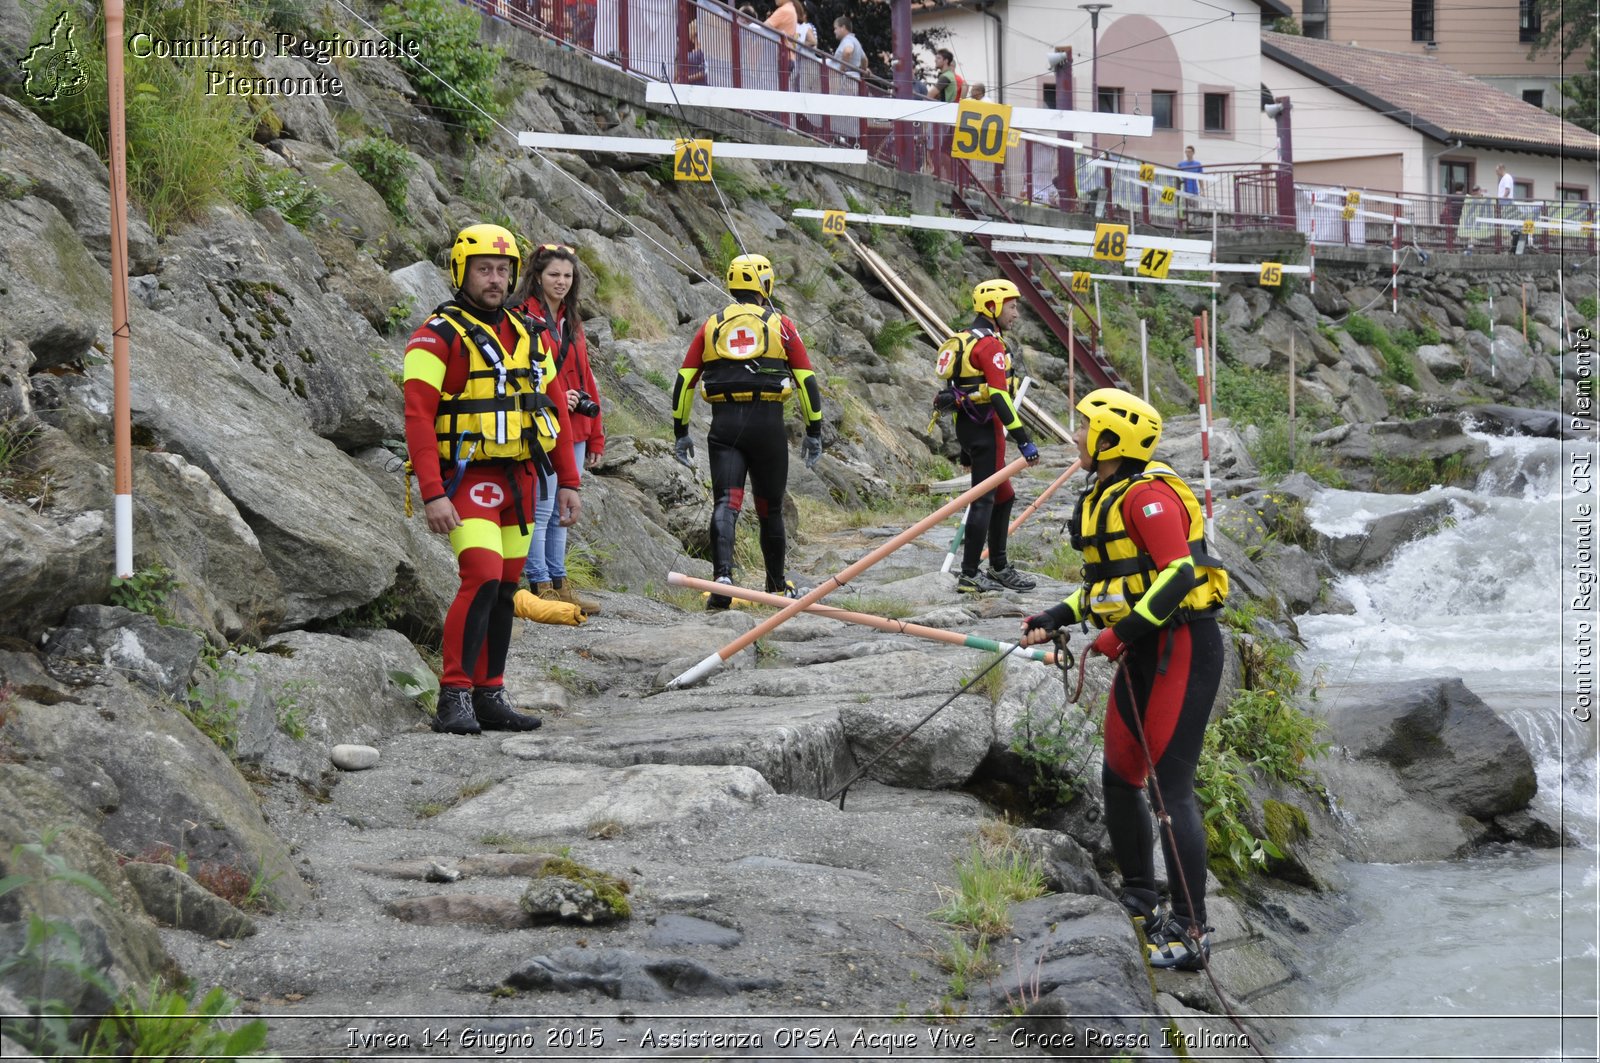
(586, 405)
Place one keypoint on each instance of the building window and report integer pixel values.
(1163, 107)
(1216, 116)
(1456, 177)
(1314, 19)
(1049, 101)
(1110, 100)
(1521, 189)
(1572, 193)
(1422, 20)
(1533, 96)
(1527, 21)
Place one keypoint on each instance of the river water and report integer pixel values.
(1491, 957)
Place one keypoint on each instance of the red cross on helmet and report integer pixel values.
(483, 240)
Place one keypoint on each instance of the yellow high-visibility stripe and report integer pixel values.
(514, 541)
(476, 532)
(426, 367)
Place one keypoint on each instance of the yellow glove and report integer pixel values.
(530, 606)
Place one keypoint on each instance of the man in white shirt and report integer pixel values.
(1505, 192)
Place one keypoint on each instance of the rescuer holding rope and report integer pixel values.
(1155, 593)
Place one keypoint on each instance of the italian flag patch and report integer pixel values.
(1152, 509)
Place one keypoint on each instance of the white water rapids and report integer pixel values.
(1494, 956)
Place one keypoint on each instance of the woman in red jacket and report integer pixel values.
(552, 300)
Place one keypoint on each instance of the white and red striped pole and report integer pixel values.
(1205, 412)
(1394, 265)
(1312, 245)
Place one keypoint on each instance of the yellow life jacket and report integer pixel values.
(744, 353)
(503, 406)
(1117, 573)
(954, 363)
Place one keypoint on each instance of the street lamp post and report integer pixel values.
(1094, 60)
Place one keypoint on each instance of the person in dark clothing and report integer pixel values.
(748, 359)
(1155, 593)
(982, 394)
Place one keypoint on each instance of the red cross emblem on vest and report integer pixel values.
(500, 245)
(741, 341)
(489, 496)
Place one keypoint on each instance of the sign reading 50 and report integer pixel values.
(983, 131)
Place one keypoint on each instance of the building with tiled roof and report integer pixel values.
(1411, 123)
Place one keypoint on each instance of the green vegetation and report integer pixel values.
(1394, 349)
(461, 72)
(185, 147)
(18, 439)
(719, 252)
(148, 591)
(990, 680)
(893, 337)
(1589, 308)
(159, 1024)
(1478, 321)
(1048, 743)
(931, 244)
(208, 705)
(386, 166)
(1409, 476)
(989, 879)
(610, 889)
(242, 889)
(298, 200)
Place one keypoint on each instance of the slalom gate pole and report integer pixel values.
(121, 371)
(955, 543)
(881, 623)
(1205, 408)
(845, 575)
(1394, 265)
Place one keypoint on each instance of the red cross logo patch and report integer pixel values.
(489, 496)
(501, 246)
(742, 341)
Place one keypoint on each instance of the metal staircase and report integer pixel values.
(1024, 271)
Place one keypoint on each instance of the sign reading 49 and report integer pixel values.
(982, 132)
(691, 160)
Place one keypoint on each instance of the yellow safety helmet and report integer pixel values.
(990, 297)
(1134, 422)
(483, 240)
(752, 273)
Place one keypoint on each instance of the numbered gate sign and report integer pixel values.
(1147, 172)
(691, 160)
(1271, 274)
(982, 132)
(1169, 195)
(1111, 242)
(1155, 262)
(1348, 213)
(1081, 280)
(1352, 198)
(833, 222)
(1527, 226)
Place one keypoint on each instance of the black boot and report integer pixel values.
(496, 714)
(455, 715)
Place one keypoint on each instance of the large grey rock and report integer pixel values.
(1512, 360)
(1513, 420)
(1377, 543)
(943, 753)
(55, 292)
(1075, 971)
(257, 292)
(150, 778)
(427, 285)
(560, 799)
(174, 899)
(47, 564)
(353, 206)
(158, 657)
(70, 176)
(1446, 744)
(304, 116)
(304, 693)
(625, 975)
(37, 805)
(1441, 360)
(1360, 448)
(555, 898)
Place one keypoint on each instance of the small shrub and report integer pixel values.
(461, 72)
(298, 200)
(386, 166)
(988, 882)
(168, 1024)
(929, 244)
(1589, 308)
(893, 337)
(1478, 321)
(17, 441)
(147, 591)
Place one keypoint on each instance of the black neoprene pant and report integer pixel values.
(989, 518)
(747, 438)
(1173, 699)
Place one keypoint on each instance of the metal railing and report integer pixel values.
(656, 39)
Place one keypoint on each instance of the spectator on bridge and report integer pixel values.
(1191, 164)
(694, 64)
(977, 92)
(785, 19)
(851, 56)
(1506, 192)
